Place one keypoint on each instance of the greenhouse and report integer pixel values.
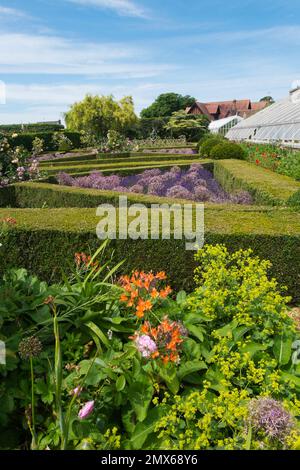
(279, 123)
(222, 126)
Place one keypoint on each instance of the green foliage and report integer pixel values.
(43, 237)
(26, 140)
(166, 104)
(207, 144)
(61, 142)
(96, 115)
(192, 126)
(226, 150)
(246, 344)
(31, 128)
(265, 186)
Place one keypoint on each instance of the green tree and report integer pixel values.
(98, 114)
(192, 126)
(166, 104)
(268, 99)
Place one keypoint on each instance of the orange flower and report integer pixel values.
(165, 292)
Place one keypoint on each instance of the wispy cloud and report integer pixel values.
(45, 54)
(12, 12)
(121, 7)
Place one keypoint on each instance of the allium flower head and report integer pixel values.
(30, 347)
(145, 345)
(269, 416)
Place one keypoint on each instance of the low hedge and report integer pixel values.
(26, 139)
(44, 242)
(115, 165)
(38, 127)
(93, 159)
(265, 186)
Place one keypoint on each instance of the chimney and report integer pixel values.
(295, 94)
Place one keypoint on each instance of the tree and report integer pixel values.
(166, 104)
(192, 126)
(268, 99)
(98, 114)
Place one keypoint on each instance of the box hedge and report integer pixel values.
(45, 240)
(26, 139)
(265, 186)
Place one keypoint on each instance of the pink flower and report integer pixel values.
(77, 391)
(145, 345)
(86, 410)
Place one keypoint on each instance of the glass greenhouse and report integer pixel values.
(222, 126)
(278, 123)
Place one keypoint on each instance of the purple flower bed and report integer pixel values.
(178, 151)
(195, 184)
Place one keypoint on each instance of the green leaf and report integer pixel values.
(190, 367)
(169, 375)
(253, 348)
(120, 383)
(144, 429)
(95, 329)
(196, 331)
(181, 297)
(140, 395)
(282, 348)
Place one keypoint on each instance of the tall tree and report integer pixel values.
(99, 114)
(192, 126)
(166, 104)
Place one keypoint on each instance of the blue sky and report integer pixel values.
(53, 52)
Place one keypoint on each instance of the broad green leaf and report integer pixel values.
(283, 348)
(196, 331)
(190, 367)
(140, 395)
(120, 383)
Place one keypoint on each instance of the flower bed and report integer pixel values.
(196, 184)
(96, 363)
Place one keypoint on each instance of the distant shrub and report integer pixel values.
(226, 150)
(208, 143)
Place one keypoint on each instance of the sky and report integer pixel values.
(54, 52)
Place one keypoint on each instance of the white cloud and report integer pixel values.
(12, 12)
(121, 7)
(45, 54)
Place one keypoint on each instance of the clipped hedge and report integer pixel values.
(44, 241)
(111, 166)
(38, 127)
(26, 139)
(265, 186)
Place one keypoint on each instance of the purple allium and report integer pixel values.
(269, 416)
(196, 184)
(201, 193)
(86, 410)
(145, 345)
(65, 179)
(179, 192)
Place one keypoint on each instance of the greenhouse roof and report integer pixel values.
(222, 122)
(278, 122)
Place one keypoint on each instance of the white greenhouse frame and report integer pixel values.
(222, 126)
(278, 123)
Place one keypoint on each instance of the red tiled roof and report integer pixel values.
(258, 106)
